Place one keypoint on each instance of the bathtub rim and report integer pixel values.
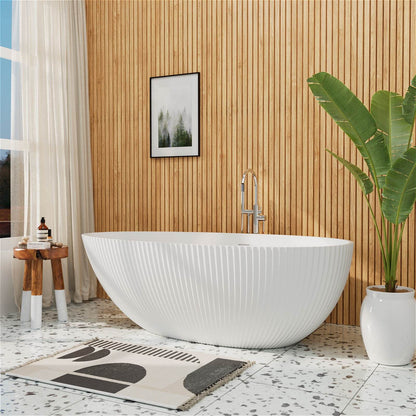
(333, 242)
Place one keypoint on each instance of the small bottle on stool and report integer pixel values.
(42, 231)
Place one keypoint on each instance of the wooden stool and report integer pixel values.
(32, 282)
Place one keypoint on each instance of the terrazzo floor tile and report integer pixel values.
(319, 375)
(391, 386)
(19, 397)
(336, 341)
(261, 399)
(359, 407)
(99, 406)
(312, 374)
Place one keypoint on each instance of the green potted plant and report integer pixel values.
(383, 136)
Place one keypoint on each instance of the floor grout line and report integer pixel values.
(302, 390)
(217, 399)
(362, 385)
(378, 402)
(66, 407)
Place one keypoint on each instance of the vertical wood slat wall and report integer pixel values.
(256, 112)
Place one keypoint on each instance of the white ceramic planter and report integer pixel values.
(388, 325)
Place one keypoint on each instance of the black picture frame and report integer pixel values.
(174, 115)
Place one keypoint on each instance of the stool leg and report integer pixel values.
(26, 293)
(58, 283)
(36, 303)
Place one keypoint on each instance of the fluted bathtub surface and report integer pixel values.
(239, 290)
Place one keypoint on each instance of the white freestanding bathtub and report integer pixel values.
(239, 290)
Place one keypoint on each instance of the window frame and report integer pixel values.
(12, 144)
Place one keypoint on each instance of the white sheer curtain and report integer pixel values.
(55, 124)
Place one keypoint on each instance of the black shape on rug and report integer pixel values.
(130, 373)
(209, 374)
(90, 383)
(78, 353)
(94, 356)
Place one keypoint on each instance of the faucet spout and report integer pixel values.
(243, 180)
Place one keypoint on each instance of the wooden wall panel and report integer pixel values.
(256, 112)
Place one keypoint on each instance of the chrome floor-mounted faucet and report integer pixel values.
(256, 211)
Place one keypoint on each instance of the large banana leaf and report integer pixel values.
(362, 179)
(399, 193)
(377, 148)
(409, 102)
(347, 111)
(343, 106)
(386, 108)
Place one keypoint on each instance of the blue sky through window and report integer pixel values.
(4, 154)
(6, 12)
(5, 97)
(6, 23)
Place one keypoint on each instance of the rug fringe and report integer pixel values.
(4, 372)
(219, 383)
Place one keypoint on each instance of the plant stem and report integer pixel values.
(383, 219)
(385, 233)
(389, 276)
(395, 238)
(398, 235)
(380, 240)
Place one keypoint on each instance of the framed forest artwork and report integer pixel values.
(174, 115)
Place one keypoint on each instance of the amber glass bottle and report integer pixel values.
(42, 225)
(42, 231)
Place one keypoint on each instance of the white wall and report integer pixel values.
(7, 262)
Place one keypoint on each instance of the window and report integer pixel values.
(11, 144)
(5, 217)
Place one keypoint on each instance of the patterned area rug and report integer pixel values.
(170, 378)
